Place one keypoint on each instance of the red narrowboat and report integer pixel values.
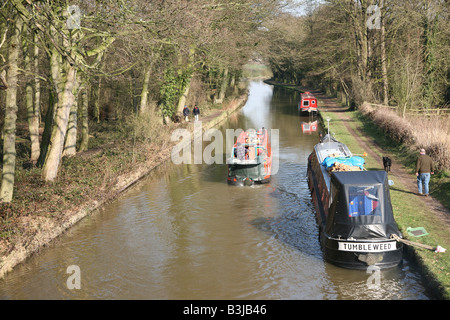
(308, 103)
(251, 158)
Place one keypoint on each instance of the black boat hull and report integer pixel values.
(361, 260)
(246, 175)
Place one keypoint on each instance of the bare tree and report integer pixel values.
(9, 128)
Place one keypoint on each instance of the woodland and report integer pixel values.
(388, 51)
(68, 64)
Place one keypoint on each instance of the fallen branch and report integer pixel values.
(416, 244)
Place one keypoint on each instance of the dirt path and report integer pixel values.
(406, 182)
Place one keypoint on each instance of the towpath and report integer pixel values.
(406, 181)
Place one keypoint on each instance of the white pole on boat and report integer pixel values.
(328, 125)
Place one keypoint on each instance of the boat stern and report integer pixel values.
(362, 254)
(247, 175)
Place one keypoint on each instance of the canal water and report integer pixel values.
(184, 233)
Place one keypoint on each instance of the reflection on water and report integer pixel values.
(184, 233)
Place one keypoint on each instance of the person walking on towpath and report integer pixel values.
(424, 170)
(196, 112)
(186, 113)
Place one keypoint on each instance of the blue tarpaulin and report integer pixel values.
(351, 161)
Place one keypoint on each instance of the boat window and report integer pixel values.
(305, 103)
(241, 153)
(364, 201)
(313, 102)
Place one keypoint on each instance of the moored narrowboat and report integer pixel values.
(353, 209)
(307, 103)
(251, 158)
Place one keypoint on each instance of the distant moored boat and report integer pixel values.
(307, 103)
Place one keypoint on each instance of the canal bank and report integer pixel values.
(410, 210)
(39, 230)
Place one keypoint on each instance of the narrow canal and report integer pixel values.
(184, 233)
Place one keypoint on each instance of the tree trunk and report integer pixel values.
(33, 109)
(54, 98)
(233, 84)
(9, 129)
(223, 87)
(97, 100)
(46, 135)
(183, 97)
(429, 43)
(84, 120)
(188, 67)
(144, 93)
(132, 93)
(35, 147)
(70, 146)
(384, 58)
(52, 162)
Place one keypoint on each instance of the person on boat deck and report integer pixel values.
(424, 170)
(196, 112)
(240, 152)
(186, 113)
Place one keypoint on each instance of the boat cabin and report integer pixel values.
(255, 144)
(361, 206)
(308, 103)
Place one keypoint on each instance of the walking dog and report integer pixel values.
(387, 162)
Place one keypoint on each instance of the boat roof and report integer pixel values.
(330, 147)
(252, 140)
(375, 177)
(307, 95)
(253, 137)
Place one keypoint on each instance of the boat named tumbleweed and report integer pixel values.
(353, 209)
